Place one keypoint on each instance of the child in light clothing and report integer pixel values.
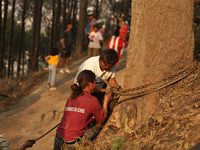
(95, 40)
(52, 60)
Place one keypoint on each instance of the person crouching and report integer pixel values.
(79, 111)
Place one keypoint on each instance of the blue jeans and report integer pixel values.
(52, 74)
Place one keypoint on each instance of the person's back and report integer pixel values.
(79, 111)
(78, 115)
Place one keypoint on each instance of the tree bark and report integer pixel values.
(37, 35)
(126, 12)
(32, 56)
(74, 19)
(35, 42)
(21, 40)
(3, 36)
(57, 22)
(11, 37)
(81, 27)
(23, 35)
(0, 22)
(161, 43)
(53, 24)
(64, 14)
(97, 8)
(122, 7)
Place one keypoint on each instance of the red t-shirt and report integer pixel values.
(78, 114)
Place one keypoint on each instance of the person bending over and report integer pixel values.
(104, 68)
(79, 111)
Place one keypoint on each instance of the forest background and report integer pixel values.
(30, 28)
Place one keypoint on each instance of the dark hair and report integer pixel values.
(69, 23)
(116, 33)
(95, 26)
(121, 10)
(124, 18)
(83, 79)
(54, 51)
(109, 57)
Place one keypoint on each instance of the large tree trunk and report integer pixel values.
(3, 36)
(161, 43)
(11, 37)
(81, 27)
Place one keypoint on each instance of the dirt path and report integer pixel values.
(34, 114)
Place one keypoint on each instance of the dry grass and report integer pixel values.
(18, 88)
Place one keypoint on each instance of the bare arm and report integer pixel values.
(57, 62)
(46, 58)
(107, 98)
(100, 90)
(100, 41)
(63, 42)
(112, 82)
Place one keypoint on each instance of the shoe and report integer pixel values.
(53, 88)
(48, 86)
(67, 71)
(62, 71)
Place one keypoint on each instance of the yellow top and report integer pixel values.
(53, 60)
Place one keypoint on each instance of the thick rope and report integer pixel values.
(145, 93)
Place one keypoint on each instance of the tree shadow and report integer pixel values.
(22, 104)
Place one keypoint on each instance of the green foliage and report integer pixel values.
(120, 142)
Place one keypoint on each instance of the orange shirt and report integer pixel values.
(53, 60)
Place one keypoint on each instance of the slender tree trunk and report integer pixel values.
(114, 22)
(97, 8)
(53, 24)
(0, 22)
(69, 10)
(100, 5)
(32, 56)
(37, 36)
(64, 14)
(3, 36)
(158, 47)
(122, 7)
(11, 37)
(72, 9)
(57, 22)
(126, 12)
(21, 40)
(74, 19)
(81, 27)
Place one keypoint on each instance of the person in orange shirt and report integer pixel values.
(52, 60)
